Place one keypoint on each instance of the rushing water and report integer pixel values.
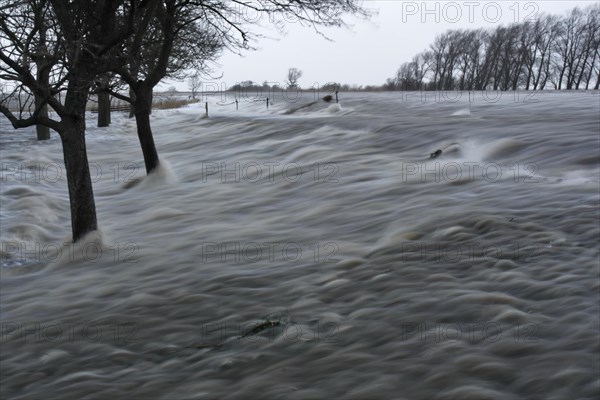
(313, 254)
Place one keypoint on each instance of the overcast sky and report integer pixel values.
(370, 51)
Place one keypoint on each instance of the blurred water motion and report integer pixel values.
(316, 254)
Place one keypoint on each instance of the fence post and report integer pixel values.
(206, 107)
(469, 102)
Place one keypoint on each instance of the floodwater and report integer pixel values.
(313, 253)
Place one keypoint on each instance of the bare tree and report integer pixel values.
(194, 84)
(82, 49)
(537, 55)
(174, 42)
(27, 18)
(548, 33)
(205, 27)
(472, 59)
(591, 39)
(568, 48)
(293, 76)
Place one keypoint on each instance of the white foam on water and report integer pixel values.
(333, 108)
(461, 113)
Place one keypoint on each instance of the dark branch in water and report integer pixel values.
(435, 154)
(254, 331)
(261, 327)
(293, 110)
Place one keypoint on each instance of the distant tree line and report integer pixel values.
(558, 52)
(251, 86)
(254, 86)
(550, 52)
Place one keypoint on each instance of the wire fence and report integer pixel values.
(269, 101)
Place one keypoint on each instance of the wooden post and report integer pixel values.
(206, 107)
(469, 102)
(336, 97)
(236, 104)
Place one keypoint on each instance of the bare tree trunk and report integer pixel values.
(72, 134)
(142, 107)
(132, 104)
(81, 194)
(560, 77)
(103, 109)
(540, 70)
(43, 132)
(528, 79)
(134, 70)
(103, 86)
(588, 79)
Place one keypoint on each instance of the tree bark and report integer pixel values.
(132, 104)
(81, 194)
(142, 109)
(43, 132)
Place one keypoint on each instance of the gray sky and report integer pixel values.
(370, 51)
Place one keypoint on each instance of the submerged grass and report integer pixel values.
(169, 103)
(159, 103)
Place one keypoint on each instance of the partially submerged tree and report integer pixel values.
(86, 33)
(85, 39)
(27, 18)
(186, 34)
(173, 43)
